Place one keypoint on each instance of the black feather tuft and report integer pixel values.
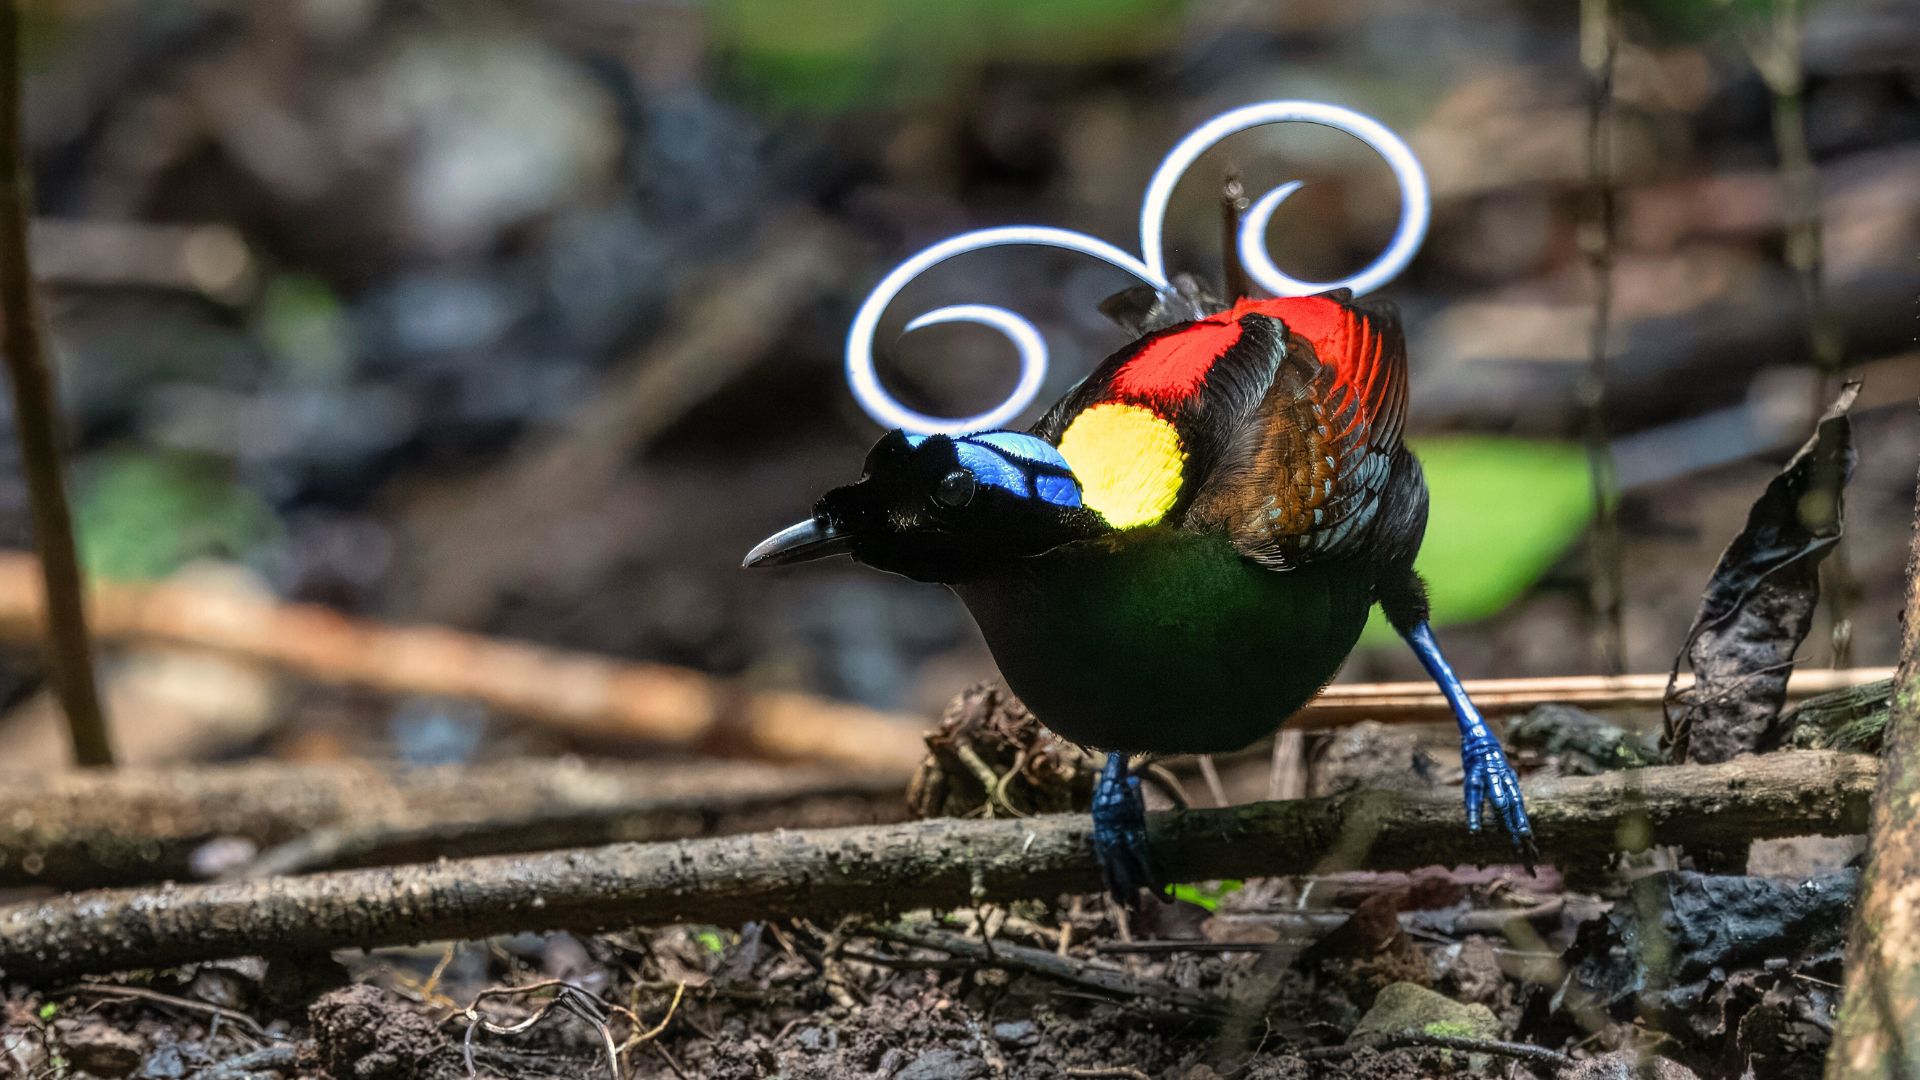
(1403, 599)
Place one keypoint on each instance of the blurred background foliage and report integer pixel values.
(526, 317)
(883, 54)
(1539, 493)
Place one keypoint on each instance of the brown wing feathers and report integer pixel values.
(1308, 467)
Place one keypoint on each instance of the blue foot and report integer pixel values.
(1491, 779)
(1489, 776)
(1120, 834)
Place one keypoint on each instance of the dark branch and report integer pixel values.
(927, 864)
(36, 419)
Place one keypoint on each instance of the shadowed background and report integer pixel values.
(527, 318)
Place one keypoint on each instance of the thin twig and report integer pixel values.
(1776, 53)
(36, 419)
(1599, 45)
(1419, 702)
(1107, 982)
(280, 1058)
(1538, 1055)
(1287, 770)
(1174, 948)
(992, 781)
(568, 998)
(652, 1033)
(141, 993)
(1211, 774)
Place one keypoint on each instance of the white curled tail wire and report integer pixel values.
(1415, 213)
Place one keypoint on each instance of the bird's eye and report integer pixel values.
(956, 489)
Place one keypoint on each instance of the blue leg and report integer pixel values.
(1489, 778)
(1120, 833)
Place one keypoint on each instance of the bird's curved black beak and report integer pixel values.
(814, 538)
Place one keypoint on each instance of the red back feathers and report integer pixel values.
(1288, 442)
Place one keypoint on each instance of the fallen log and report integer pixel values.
(88, 829)
(926, 864)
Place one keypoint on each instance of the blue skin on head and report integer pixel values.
(1025, 465)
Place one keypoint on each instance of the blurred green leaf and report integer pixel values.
(876, 54)
(1503, 512)
(146, 514)
(306, 328)
(1698, 20)
(1207, 894)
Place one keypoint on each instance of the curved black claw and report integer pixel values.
(1491, 779)
(1120, 834)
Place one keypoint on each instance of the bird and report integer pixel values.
(1185, 548)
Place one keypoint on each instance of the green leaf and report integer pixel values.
(306, 328)
(1207, 894)
(49, 1010)
(711, 940)
(145, 514)
(1503, 511)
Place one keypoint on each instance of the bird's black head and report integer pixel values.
(943, 508)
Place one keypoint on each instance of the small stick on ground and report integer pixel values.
(275, 1059)
(1211, 774)
(1419, 702)
(1878, 1030)
(141, 993)
(1537, 1055)
(36, 420)
(942, 863)
(1287, 773)
(1104, 981)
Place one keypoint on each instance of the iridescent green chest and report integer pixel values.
(1157, 640)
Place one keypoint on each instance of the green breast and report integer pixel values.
(1161, 641)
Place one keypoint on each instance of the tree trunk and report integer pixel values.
(1878, 1032)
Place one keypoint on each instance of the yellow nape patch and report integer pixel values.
(1128, 462)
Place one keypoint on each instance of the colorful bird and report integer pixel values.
(1181, 553)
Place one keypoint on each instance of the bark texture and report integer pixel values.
(1878, 1032)
(88, 829)
(939, 864)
